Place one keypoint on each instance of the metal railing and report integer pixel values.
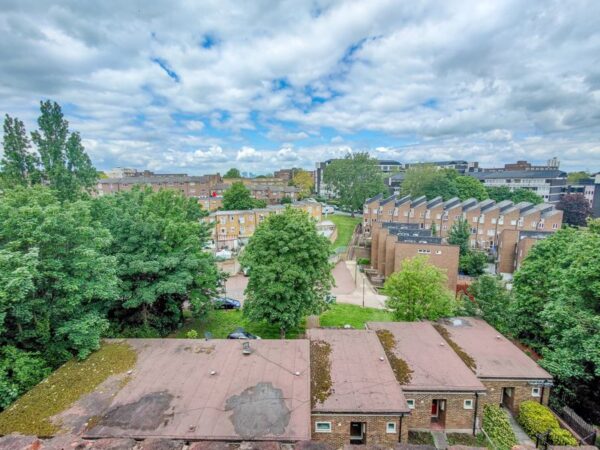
(587, 431)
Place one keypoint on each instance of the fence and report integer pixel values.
(587, 432)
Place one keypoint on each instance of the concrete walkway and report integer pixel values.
(439, 439)
(520, 434)
(355, 291)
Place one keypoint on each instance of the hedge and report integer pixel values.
(536, 418)
(497, 427)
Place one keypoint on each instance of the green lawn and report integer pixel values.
(356, 316)
(345, 227)
(221, 323)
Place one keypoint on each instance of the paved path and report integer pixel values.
(439, 439)
(522, 437)
(353, 292)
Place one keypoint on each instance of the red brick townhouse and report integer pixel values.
(487, 219)
(356, 398)
(509, 375)
(441, 391)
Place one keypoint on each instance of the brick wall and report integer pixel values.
(390, 255)
(455, 416)
(506, 251)
(447, 258)
(375, 430)
(522, 392)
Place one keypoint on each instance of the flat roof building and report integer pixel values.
(211, 390)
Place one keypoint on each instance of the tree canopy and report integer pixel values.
(60, 162)
(290, 273)
(459, 234)
(233, 173)
(469, 187)
(576, 209)
(239, 197)
(430, 181)
(576, 177)
(354, 178)
(419, 291)
(303, 181)
(157, 243)
(501, 193)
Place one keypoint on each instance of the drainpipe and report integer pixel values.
(542, 393)
(475, 415)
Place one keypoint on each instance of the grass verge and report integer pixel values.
(345, 227)
(222, 322)
(466, 439)
(31, 413)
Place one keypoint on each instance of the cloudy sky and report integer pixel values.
(201, 86)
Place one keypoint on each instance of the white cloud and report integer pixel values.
(489, 81)
(248, 154)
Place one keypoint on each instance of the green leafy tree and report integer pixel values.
(501, 193)
(555, 311)
(66, 167)
(157, 243)
(56, 282)
(430, 181)
(469, 187)
(576, 209)
(576, 177)
(493, 301)
(286, 200)
(233, 173)
(19, 372)
(290, 273)
(303, 181)
(459, 234)
(526, 195)
(419, 291)
(354, 179)
(473, 263)
(239, 197)
(18, 164)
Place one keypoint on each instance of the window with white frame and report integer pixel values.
(322, 427)
(554, 226)
(535, 392)
(390, 427)
(468, 404)
(423, 251)
(475, 219)
(438, 252)
(494, 221)
(410, 403)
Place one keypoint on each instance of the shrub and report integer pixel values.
(560, 436)
(364, 261)
(192, 334)
(497, 427)
(536, 418)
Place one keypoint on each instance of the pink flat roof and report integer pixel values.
(494, 355)
(361, 381)
(172, 394)
(435, 366)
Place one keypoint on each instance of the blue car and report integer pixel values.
(226, 303)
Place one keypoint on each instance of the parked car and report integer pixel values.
(223, 255)
(328, 209)
(240, 333)
(226, 303)
(330, 299)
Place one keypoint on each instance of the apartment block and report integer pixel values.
(234, 227)
(211, 203)
(514, 246)
(190, 186)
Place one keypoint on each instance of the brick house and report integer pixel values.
(392, 243)
(356, 397)
(441, 391)
(509, 375)
(487, 219)
(514, 246)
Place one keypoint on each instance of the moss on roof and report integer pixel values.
(466, 358)
(32, 413)
(320, 367)
(400, 367)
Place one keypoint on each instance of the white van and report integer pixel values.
(328, 209)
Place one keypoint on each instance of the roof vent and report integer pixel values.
(213, 372)
(441, 344)
(246, 350)
(498, 336)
